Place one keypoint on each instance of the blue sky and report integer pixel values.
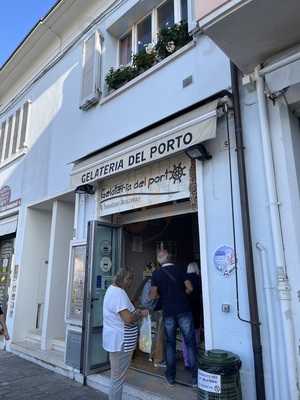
(17, 17)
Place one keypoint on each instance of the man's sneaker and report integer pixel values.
(170, 382)
(160, 365)
(195, 384)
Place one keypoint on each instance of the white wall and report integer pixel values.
(36, 252)
(288, 192)
(223, 330)
(285, 135)
(55, 298)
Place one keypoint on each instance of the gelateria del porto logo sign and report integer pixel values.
(5, 199)
(164, 181)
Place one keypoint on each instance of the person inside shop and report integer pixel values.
(120, 329)
(195, 299)
(3, 327)
(171, 284)
(157, 355)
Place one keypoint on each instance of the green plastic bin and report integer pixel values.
(220, 379)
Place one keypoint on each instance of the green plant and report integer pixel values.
(118, 77)
(143, 60)
(171, 39)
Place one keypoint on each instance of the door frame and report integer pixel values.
(84, 370)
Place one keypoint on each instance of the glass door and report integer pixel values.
(102, 262)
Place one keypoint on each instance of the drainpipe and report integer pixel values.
(251, 284)
(283, 286)
(278, 386)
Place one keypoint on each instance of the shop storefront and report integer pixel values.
(167, 185)
(8, 271)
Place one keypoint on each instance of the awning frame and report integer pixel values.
(100, 164)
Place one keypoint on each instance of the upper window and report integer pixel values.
(165, 15)
(13, 133)
(145, 31)
(184, 10)
(126, 49)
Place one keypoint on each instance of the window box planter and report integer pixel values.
(169, 41)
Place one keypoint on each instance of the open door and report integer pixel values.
(103, 261)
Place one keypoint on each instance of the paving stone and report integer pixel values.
(23, 380)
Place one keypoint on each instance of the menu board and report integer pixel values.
(77, 283)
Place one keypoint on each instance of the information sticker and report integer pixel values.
(209, 382)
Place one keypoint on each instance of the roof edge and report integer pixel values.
(29, 34)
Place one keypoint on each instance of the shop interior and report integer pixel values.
(142, 240)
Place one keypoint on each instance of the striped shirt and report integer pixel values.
(117, 336)
(130, 337)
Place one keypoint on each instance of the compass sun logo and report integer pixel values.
(177, 173)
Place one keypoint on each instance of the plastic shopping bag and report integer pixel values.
(145, 340)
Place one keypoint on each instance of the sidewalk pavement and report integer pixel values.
(23, 380)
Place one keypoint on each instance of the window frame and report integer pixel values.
(12, 133)
(154, 21)
(130, 30)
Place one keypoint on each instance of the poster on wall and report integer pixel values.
(161, 182)
(225, 260)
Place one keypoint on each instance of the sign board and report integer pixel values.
(158, 143)
(163, 181)
(209, 382)
(5, 199)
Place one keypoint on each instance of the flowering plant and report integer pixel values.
(170, 39)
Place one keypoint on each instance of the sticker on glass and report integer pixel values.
(105, 247)
(106, 264)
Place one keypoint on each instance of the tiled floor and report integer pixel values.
(23, 380)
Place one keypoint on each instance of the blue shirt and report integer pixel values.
(169, 280)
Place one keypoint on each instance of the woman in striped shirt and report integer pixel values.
(120, 330)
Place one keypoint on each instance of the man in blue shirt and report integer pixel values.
(171, 285)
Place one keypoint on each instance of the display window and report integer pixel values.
(76, 283)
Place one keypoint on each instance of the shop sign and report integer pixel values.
(134, 159)
(224, 260)
(5, 199)
(158, 143)
(163, 181)
(209, 382)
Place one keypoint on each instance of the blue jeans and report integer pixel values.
(186, 325)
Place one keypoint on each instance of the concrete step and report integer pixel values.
(33, 337)
(58, 345)
(141, 386)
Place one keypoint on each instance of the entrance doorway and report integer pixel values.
(134, 246)
(141, 242)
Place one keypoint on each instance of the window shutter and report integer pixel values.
(24, 125)
(90, 85)
(3, 127)
(16, 132)
(8, 137)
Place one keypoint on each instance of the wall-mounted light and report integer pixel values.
(89, 189)
(198, 152)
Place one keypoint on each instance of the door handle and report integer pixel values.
(95, 299)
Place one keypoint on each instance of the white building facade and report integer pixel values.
(88, 171)
(268, 58)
